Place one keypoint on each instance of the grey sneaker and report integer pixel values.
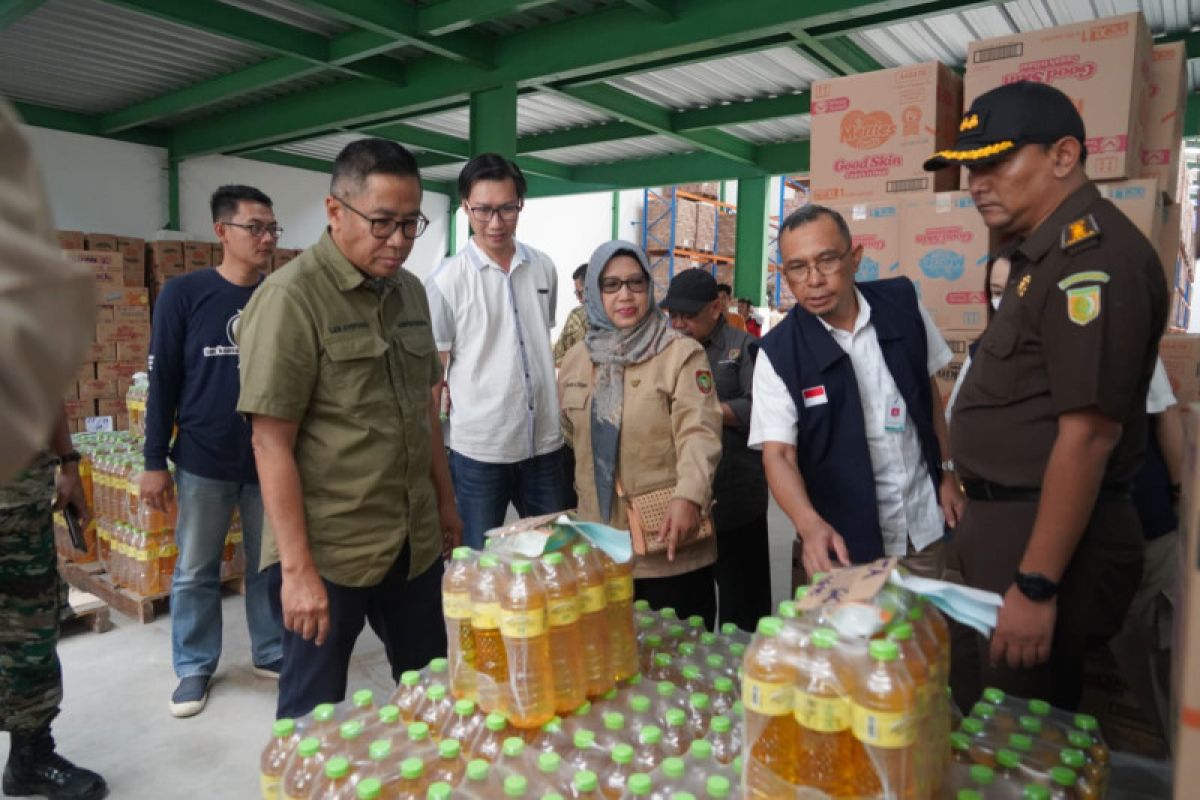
(190, 696)
(269, 670)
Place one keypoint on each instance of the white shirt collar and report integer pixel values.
(860, 322)
(481, 260)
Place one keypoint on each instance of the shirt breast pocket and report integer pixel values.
(356, 369)
(994, 368)
(728, 380)
(416, 346)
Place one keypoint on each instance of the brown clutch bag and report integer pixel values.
(646, 512)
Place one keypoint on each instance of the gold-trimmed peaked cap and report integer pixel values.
(1008, 117)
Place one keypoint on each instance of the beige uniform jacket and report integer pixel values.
(47, 307)
(670, 433)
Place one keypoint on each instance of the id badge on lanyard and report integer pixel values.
(896, 415)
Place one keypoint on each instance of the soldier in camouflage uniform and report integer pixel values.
(30, 601)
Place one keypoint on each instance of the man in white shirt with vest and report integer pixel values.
(492, 306)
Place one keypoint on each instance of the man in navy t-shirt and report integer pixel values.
(194, 384)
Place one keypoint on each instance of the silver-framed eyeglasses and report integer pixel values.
(826, 264)
(384, 227)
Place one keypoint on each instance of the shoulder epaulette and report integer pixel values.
(1080, 232)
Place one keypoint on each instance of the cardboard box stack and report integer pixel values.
(727, 234)
(1162, 142)
(661, 236)
(706, 227)
(1180, 354)
(164, 260)
(874, 225)
(944, 251)
(1186, 646)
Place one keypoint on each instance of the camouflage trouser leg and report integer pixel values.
(30, 677)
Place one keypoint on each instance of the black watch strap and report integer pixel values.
(69, 458)
(1035, 586)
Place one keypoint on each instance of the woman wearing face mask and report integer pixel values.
(639, 407)
(995, 279)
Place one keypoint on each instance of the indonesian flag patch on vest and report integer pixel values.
(814, 396)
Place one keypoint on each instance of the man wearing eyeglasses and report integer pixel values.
(575, 328)
(493, 305)
(846, 412)
(338, 370)
(194, 384)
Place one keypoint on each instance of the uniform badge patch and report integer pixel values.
(1081, 230)
(1023, 286)
(704, 381)
(1083, 304)
(734, 352)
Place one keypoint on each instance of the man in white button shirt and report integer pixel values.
(846, 412)
(492, 307)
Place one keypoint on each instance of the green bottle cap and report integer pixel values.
(682, 796)
(337, 768)
(687, 650)
(462, 554)
(708, 639)
(436, 693)
(769, 626)
(622, 754)
(653, 641)
(1020, 742)
(1039, 708)
(363, 698)
(701, 750)
(883, 650)
(737, 649)
(515, 786)
(553, 726)
(308, 747)
(699, 701)
(614, 721)
(1075, 759)
(676, 718)
(1080, 740)
(449, 748)
(584, 709)
(379, 749)
(667, 613)
(714, 661)
(639, 784)
(418, 731)
(549, 762)
(610, 695)
(644, 621)
(983, 710)
(584, 739)
(639, 703)
(673, 767)
(960, 741)
(581, 549)
(439, 665)
(723, 685)
(695, 621)
(464, 707)
(993, 695)
(982, 776)
(1063, 776)
(495, 722)
(651, 735)
(968, 794)
(553, 559)
(915, 614)
(411, 769)
(737, 709)
(718, 786)
(824, 638)
(817, 577)
(369, 789)
(1035, 792)
(324, 712)
(513, 747)
(721, 724)
(283, 728)
(662, 660)
(585, 781)
(786, 610)
(901, 633)
(665, 689)
(971, 726)
(351, 730)
(1031, 725)
(477, 770)
(675, 631)
(488, 561)
(410, 678)
(1086, 723)
(439, 791)
(521, 568)
(641, 605)
(1008, 759)
(389, 715)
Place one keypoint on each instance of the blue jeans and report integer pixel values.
(483, 491)
(205, 510)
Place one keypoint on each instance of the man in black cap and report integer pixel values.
(1049, 427)
(743, 568)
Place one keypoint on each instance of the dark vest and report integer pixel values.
(831, 446)
(1152, 488)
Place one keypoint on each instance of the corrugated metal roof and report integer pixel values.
(608, 152)
(295, 14)
(253, 98)
(767, 73)
(536, 113)
(92, 57)
(553, 12)
(446, 172)
(783, 129)
(325, 147)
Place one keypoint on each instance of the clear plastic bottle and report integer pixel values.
(564, 611)
(413, 783)
(585, 785)
(336, 781)
(490, 741)
(491, 660)
(362, 705)
(438, 709)
(725, 744)
(322, 723)
(695, 627)
(351, 742)
(380, 763)
(883, 718)
(552, 738)
(439, 791)
(420, 744)
(927, 750)
(449, 766)
(639, 785)
(614, 731)
(527, 644)
(669, 778)
(699, 714)
(516, 758)
(516, 786)
(456, 608)
(274, 758)
(676, 734)
(593, 621)
(652, 646)
(369, 789)
(770, 729)
(724, 695)
(649, 753)
(639, 712)
(618, 581)
(481, 782)
(584, 754)
(666, 697)
(464, 725)
(613, 779)
(718, 787)
(408, 695)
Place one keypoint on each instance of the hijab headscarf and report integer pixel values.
(611, 350)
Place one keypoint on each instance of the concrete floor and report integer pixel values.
(117, 686)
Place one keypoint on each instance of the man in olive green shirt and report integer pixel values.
(337, 365)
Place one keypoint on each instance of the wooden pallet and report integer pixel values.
(86, 611)
(93, 579)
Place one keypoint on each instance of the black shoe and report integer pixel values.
(190, 696)
(269, 670)
(34, 768)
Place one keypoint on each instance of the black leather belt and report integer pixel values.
(986, 490)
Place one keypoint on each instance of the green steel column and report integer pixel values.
(452, 233)
(494, 121)
(616, 214)
(750, 276)
(172, 194)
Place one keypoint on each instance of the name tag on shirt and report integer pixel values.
(896, 415)
(815, 396)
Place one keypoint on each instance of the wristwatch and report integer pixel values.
(68, 458)
(1036, 586)
(947, 465)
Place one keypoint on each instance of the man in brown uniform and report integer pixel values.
(1049, 427)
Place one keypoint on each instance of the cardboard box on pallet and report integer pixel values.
(218, 254)
(70, 240)
(101, 351)
(122, 332)
(727, 234)
(944, 250)
(1180, 354)
(959, 343)
(101, 242)
(875, 225)
(706, 227)
(1140, 200)
(118, 370)
(662, 236)
(87, 372)
(871, 133)
(78, 409)
(164, 260)
(133, 252)
(97, 389)
(1162, 149)
(282, 256)
(133, 350)
(110, 408)
(1102, 65)
(196, 256)
(1168, 243)
(107, 268)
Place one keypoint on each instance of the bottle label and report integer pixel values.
(523, 624)
(485, 616)
(564, 611)
(822, 714)
(887, 729)
(763, 697)
(620, 589)
(456, 605)
(594, 599)
(269, 785)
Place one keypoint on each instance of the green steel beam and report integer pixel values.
(400, 21)
(72, 122)
(1191, 38)
(784, 157)
(661, 10)
(838, 53)
(616, 214)
(545, 168)
(13, 10)
(493, 126)
(541, 186)
(290, 160)
(681, 168)
(860, 16)
(448, 16)
(737, 113)
(420, 138)
(657, 119)
(749, 275)
(574, 137)
(452, 227)
(1191, 123)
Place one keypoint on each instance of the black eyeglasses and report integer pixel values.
(257, 229)
(826, 264)
(507, 213)
(384, 227)
(637, 284)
